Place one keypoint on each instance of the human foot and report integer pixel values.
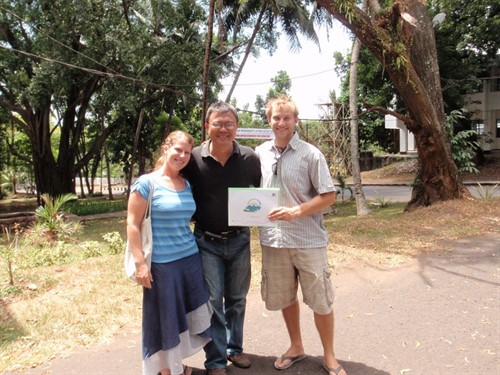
(240, 360)
(186, 371)
(287, 361)
(339, 370)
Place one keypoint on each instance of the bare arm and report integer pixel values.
(318, 203)
(135, 214)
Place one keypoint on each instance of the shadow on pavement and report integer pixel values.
(263, 365)
(470, 258)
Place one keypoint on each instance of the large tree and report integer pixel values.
(401, 37)
(467, 43)
(55, 57)
(43, 94)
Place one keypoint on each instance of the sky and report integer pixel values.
(311, 72)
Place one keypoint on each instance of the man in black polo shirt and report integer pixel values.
(215, 166)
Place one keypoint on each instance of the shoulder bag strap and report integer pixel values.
(150, 197)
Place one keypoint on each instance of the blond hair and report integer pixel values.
(281, 102)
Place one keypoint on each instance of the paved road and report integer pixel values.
(402, 193)
(438, 315)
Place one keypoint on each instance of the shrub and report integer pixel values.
(9, 251)
(486, 193)
(37, 235)
(50, 217)
(463, 144)
(57, 253)
(342, 185)
(381, 201)
(91, 249)
(115, 242)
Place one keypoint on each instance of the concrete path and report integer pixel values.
(438, 314)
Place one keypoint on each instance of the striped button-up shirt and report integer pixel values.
(301, 173)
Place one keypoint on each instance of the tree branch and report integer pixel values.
(374, 7)
(407, 120)
(231, 50)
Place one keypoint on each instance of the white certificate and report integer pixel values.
(248, 207)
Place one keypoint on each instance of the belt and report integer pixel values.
(221, 235)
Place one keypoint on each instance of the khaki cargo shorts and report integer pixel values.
(283, 269)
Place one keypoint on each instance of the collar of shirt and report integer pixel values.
(205, 149)
(292, 144)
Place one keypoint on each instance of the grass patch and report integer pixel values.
(95, 229)
(389, 236)
(69, 306)
(55, 309)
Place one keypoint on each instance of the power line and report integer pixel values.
(94, 71)
(120, 75)
(111, 73)
(58, 42)
(291, 78)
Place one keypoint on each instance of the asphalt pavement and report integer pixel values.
(402, 192)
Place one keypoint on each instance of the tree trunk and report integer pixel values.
(361, 205)
(56, 177)
(248, 49)
(134, 149)
(106, 159)
(108, 173)
(206, 67)
(50, 178)
(401, 37)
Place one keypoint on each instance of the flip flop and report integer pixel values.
(336, 371)
(186, 370)
(293, 360)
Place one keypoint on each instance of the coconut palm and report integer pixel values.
(292, 15)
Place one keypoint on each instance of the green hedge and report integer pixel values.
(84, 207)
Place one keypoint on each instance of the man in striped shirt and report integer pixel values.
(296, 249)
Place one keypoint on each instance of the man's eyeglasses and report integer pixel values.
(227, 125)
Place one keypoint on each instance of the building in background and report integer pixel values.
(406, 137)
(486, 106)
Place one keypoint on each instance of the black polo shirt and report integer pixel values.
(210, 181)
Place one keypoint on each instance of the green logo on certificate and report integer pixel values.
(249, 207)
(253, 205)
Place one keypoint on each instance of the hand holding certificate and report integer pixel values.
(249, 207)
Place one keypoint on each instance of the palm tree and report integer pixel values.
(206, 66)
(361, 205)
(292, 15)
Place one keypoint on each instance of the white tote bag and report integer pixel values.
(147, 240)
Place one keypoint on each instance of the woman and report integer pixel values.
(176, 312)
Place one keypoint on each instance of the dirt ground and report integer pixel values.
(404, 172)
(436, 315)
